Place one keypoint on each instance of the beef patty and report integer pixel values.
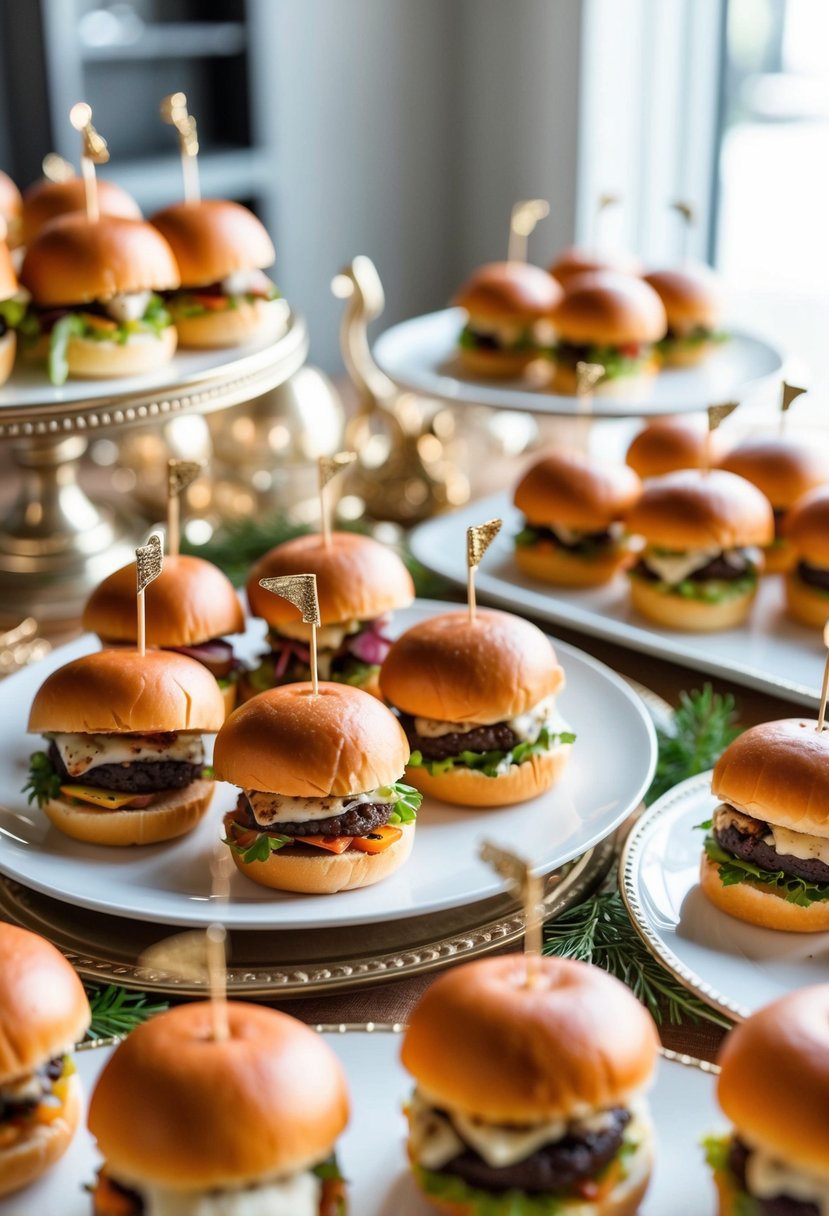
(550, 1169)
(496, 738)
(813, 576)
(755, 850)
(739, 564)
(589, 540)
(778, 1205)
(138, 777)
(357, 822)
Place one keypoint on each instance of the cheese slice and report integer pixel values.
(527, 726)
(329, 637)
(82, 752)
(674, 568)
(279, 808)
(799, 844)
(295, 1196)
(129, 306)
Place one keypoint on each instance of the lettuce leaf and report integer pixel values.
(68, 327)
(449, 1189)
(12, 312)
(155, 320)
(709, 591)
(734, 870)
(492, 764)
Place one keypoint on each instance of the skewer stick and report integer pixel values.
(180, 475)
(528, 888)
(825, 689)
(788, 394)
(688, 216)
(94, 152)
(716, 414)
(148, 562)
(300, 590)
(174, 111)
(603, 202)
(478, 539)
(523, 219)
(588, 376)
(329, 467)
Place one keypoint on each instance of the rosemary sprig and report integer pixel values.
(703, 726)
(115, 1011)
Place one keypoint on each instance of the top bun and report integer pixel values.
(486, 1043)
(8, 277)
(176, 1108)
(572, 262)
(123, 692)
(287, 741)
(691, 296)
(565, 487)
(509, 290)
(784, 467)
(75, 260)
(46, 200)
(695, 510)
(807, 526)
(609, 308)
(11, 207)
(668, 444)
(213, 238)
(486, 670)
(778, 772)
(190, 602)
(43, 1006)
(358, 579)
(774, 1079)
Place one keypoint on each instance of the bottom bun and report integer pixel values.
(8, 349)
(89, 359)
(551, 564)
(311, 871)
(495, 363)
(685, 354)
(26, 1160)
(251, 321)
(464, 787)
(761, 905)
(174, 815)
(693, 616)
(565, 381)
(780, 558)
(806, 604)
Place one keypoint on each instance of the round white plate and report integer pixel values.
(735, 967)
(371, 1152)
(611, 767)
(420, 355)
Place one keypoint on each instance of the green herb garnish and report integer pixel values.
(794, 890)
(260, 849)
(115, 1012)
(494, 763)
(406, 801)
(44, 783)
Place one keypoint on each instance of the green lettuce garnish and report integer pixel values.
(793, 889)
(709, 591)
(12, 312)
(44, 783)
(187, 305)
(155, 320)
(491, 764)
(260, 849)
(406, 801)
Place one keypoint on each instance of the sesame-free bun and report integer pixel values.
(45, 200)
(121, 691)
(8, 349)
(690, 509)
(807, 527)
(271, 1099)
(213, 238)
(190, 602)
(673, 611)
(88, 358)
(691, 296)
(311, 871)
(484, 1042)
(565, 487)
(806, 604)
(357, 579)
(31, 1156)
(287, 741)
(465, 787)
(177, 813)
(75, 260)
(612, 309)
(514, 291)
(783, 1110)
(783, 467)
(550, 563)
(8, 274)
(761, 906)
(573, 262)
(11, 206)
(457, 670)
(249, 321)
(668, 444)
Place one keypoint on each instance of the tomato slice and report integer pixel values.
(377, 840)
(211, 303)
(334, 844)
(109, 1201)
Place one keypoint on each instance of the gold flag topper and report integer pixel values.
(478, 539)
(148, 562)
(686, 210)
(181, 474)
(297, 589)
(718, 413)
(174, 111)
(608, 200)
(790, 393)
(527, 213)
(94, 145)
(509, 866)
(330, 466)
(185, 955)
(56, 169)
(588, 376)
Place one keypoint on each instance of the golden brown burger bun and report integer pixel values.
(779, 558)
(729, 1198)
(668, 444)
(761, 905)
(552, 564)
(691, 295)
(357, 579)
(8, 275)
(457, 670)
(177, 813)
(636, 381)
(213, 238)
(806, 604)
(89, 359)
(122, 691)
(75, 260)
(464, 787)
(8, 349)
(692, 616)
(690, 509)
(783, 467)
(484, 1042)
(190, 602)
(46, 200)
(565, 487)
(573, 262)
(11, 207)
(514, 291)
(313, 871)
(269, 1100)
(495, 362)
(606, 308)
(290, 742)
(28, 1158)
(783, 1110)
(43, 1007)
(807, 527)
(249, 321)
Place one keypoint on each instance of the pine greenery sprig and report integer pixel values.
(115, 1011)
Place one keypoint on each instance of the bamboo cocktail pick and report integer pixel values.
(94, 152)
(523, 219)
(478, 539)
(148, 562)
(329, 467)
(528, 887)
(180, 475)
(301, 590)
(174, 111)
(788, 394)
(716, 415)
(825, 689)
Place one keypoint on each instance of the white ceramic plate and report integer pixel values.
(737, 968)
(608, 773)
(420, 355)
(770, 652)
(372, 1155)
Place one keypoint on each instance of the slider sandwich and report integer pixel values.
(11, 208)
(807, 584)
(11, 312)
(693, 305)
(668, 444)
(509, 307)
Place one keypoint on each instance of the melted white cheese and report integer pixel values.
(128, 307)
(674, 568)
(766, 1178)
(82, 752)
(240, 281)
(278, 808)
(296, 1196)
(526, 726)
(329, 637)
(544, 333)
(798, 844)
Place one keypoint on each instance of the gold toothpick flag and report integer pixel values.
(478, 539)
(788, 394)
(686, 211)
(716, 415)
(148, 562)
(528, 888)
(523, 219)
(300, 590)
(825, 689)
(329, 467)
(588, 376)
(603, 203)
(94, 152)
(56, 169)
(180, 475)
(174, 111)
